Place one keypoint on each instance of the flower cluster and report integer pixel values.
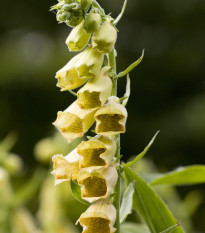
(92, 163)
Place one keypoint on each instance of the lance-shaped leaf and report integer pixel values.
(76, 191)
(127, 93)
(170, 229)
(99, 218)
(143, 153)
(182, 176)
(121, 13)
(131, 227)
(149, 205)
(131, 67)
(127, 202)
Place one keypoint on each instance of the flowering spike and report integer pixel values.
(111, 119)
(99, 218)
(74, 121)
(96, 92)
(104, 39)
(68, 77)
(97, 185)
(66, 168)
(89, 63)
(78, 38)
(96, 153)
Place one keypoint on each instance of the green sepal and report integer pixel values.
(127, 202)
(76, 191)
(142, 154)
(131, 67)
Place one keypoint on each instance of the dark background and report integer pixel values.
(168, 87)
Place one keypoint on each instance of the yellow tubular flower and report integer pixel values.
(111, 119)
(74, 121)
(96, 153)
(96, 91)
(104, 39)
(68, 77)
(78, 38)
(100, 217)
(66, 168)
(89, 63)
(97, 185)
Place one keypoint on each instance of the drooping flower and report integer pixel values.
(68, 77)
(97, 184)
(104, 39)
(111, 119)
(100, 217)
(78, 38)
(89, 63)
(96, 153)
(74, 121)
(96, 91)
(66, 168)
(92, 22)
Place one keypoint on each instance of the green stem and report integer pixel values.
(117, 190)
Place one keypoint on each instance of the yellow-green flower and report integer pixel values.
(89, 63)
(68, 77)
(78, 38)
(97, 184)
(96, 91)
(66, 168)
(92, 22)
(96, 153)
(100, 217)
(111, 119)
(104, 39)
(74, 121)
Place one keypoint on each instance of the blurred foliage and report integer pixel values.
(168, 88)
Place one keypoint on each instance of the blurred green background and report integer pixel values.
(168, 87)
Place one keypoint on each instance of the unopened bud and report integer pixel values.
(13, 163)
(85, 3)
(92, 22)
(78, 38)
(89, 63)
(104, 39)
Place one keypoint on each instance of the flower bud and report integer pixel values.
(111, 119)
(85, 3)
(74, 121)
(89, 63)
(92, 22)
(78, 38)
(97, 185)
(68, 77)
(104, 39)
(13, 163)
(96, 91)
(66, 168)
(101, 215)
(96, 153)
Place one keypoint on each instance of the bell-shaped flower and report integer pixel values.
(92, 22)
(104, 39)
(97, 184)
(66, 168)
(96, 91)
(100, 217)
(96, 153)
(68, 77)
(89, 63)
(78, 38)
(111, 119)
(74, 121)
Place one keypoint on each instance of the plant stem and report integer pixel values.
(117, 190)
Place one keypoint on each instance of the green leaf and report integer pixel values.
(76, 191)
(131, 67)
(170, 229)
(182, 176)
(130, 227)
(127, 93)
(149, 205)
(142, 154)
(126, 205)
(121, 13)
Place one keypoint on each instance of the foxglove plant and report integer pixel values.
(94, 168)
